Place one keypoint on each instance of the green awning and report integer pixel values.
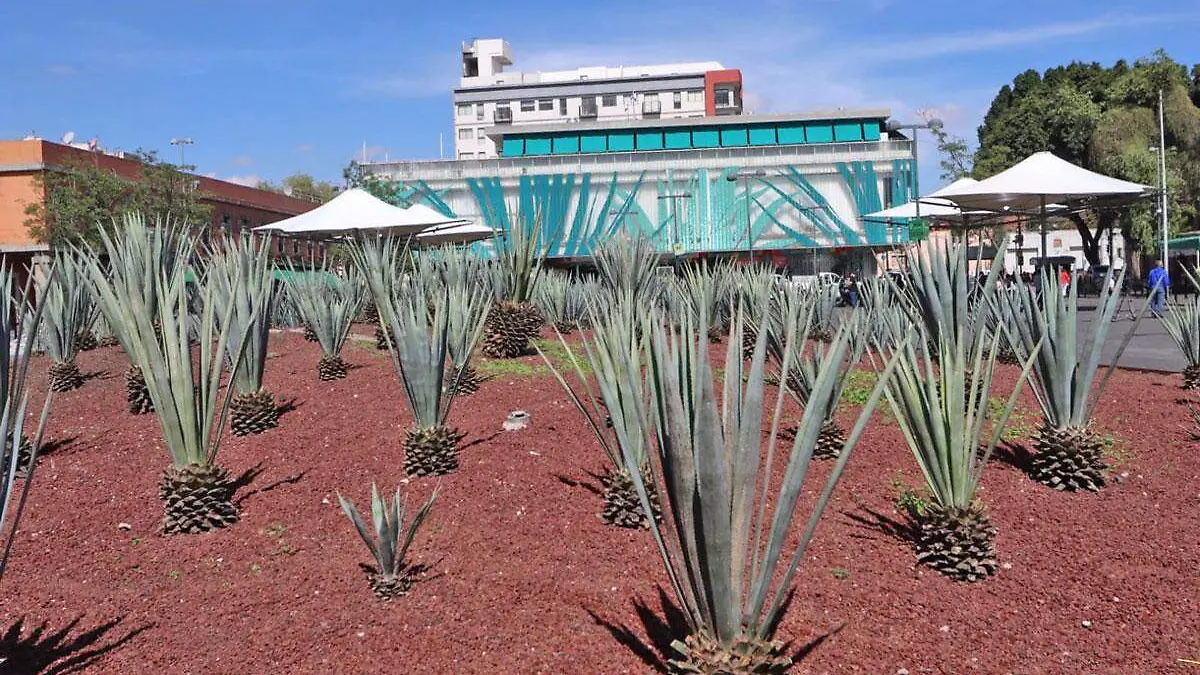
(304, 275)
(1190, 240)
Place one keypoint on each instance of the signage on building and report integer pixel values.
(918, 229)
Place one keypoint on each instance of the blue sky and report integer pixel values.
(268, 88)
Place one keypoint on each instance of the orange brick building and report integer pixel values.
(235, 208)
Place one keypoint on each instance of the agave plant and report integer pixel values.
(515, 320)
(69, 311)
(420, 354)
(469, 304)
(185, 388)
(19, 323)
(709, 288)
(328, 305)
(824, 318)
(755, 293)
(1069, 453)
(388, 540)
(561, 299)
(242, 279)
(1182, 323)
(724, 532)
(628, 270)
(832, 437)
(614, 414)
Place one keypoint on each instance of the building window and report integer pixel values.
(723, 98)
(226, 221)
(546, 104)
(696, 96)
(562, 106)
(478, 111)
(608, 100)
(677, 100)
(295, 246)
(466, 155)
(464, 109)
(464, 134)
(528, 105)
(481, 133)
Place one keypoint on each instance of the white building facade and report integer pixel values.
(489, 96)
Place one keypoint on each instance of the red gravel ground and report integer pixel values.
(525, 578)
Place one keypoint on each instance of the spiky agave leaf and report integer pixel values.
(327, 303)
(722, 552)
(1182, 323)
(388, 538)
(942, 297)
(521, 256)
(69, 307)
(468, 308)
(186, 391)
(627, 267)
(19, 324)
(242, 280)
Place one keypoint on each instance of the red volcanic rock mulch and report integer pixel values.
(525, 578)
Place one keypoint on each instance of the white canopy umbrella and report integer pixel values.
(1037, 180)
(357, 210)
(931, 206)
(464, 233)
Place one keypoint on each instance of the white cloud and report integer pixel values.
(249, 179)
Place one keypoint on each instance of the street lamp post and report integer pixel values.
(933, 124)
(182, 143)
(744, 176)
(676, 224)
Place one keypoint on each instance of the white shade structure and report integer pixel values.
(1040, 179)
(357, 210)
(464, 233)
(932, 206)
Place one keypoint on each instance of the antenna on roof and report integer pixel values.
(68, 137)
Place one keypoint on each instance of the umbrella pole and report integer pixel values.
(1042, 228)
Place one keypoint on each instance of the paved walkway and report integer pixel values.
(1149, 349)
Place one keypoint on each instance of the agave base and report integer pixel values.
(716, 333)
(253, 413)
(136, 392)
(703, 654)
(331, 367)
(388, 586)
(622, 507)
(821, 334)
(64, 376)
(1006, 355)
(370, 313)
(197, 498)
(959, 543)
(465, 384)
(566, 327)
(749, 339)
(381, 340)
(24, 454)
(830, 441)
(1069, 459)
(509, 329)
(85, 340)
(431, 451)
(107, 341)
(309, 333)
(1191, 377)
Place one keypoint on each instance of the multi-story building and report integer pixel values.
(489, 96)
(235, 208)
(791, 188)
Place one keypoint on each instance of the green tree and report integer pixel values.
(956, 157)
(82, 196)
(387, 190)
(1106, 120)
(302, 185)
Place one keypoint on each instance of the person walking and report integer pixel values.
(1159, 282)
(852, 290)
(1064, 281)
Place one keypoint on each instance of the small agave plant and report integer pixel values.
(1069, 454)
(727, 521)
(242, 279)
(614, 413)
(832, 438)
(69, 312)
(388, 539)
(329, 305)
(472, 304)
(1182, 323)
(420, 354)
(514, 320)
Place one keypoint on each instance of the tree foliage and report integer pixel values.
(303, 186)
(1105, 119)
(387, 190)
(82, 196)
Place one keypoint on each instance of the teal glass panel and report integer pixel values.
(537, 145)
(706, 138)
(734, 137)
(676, 140)
(593, 142)
(620, 142)
(566, 145)
(844, 132)
(649, 140)
(819, 133)
(871, 131)
(762, 136)
(513, 147)
(791, 134)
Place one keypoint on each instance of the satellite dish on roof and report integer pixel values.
(68, 137)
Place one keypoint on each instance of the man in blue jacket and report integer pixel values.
(1158, 282)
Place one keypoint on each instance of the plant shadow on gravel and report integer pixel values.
(250, 474)
(97, 375)
(593, 488)
(1015, 455)
(904, 529)
(669, 624)
(45, 652)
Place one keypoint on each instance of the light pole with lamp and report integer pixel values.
(182, 143)
(676, 225)
(744, 176)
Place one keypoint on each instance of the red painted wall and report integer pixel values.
(714, 77)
